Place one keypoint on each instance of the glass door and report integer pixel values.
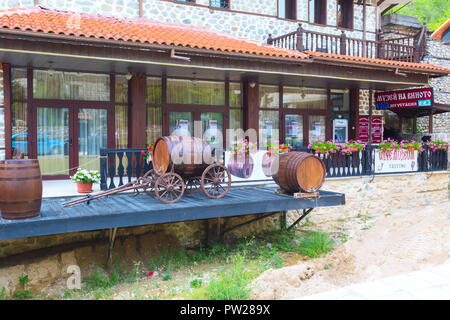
(181, 123)
(53, 141)
(92, 135)
(212, 129)
(293, 130)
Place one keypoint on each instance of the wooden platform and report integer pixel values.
(127, 211)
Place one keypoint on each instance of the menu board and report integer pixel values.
(377, 129)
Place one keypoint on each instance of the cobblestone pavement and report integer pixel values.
(427, 284)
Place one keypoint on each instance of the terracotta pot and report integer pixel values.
(411, 148)
(84, 187)
(353, 149)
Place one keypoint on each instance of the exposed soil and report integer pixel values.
(400, 242)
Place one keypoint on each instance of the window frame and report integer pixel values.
(323, 13)
(228, 7)
(351, 12)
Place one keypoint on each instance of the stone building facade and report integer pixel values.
(249, 19)
(437, 53)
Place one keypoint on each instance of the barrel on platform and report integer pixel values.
(299, 172)
(20, 189)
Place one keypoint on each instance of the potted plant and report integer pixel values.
(147, 155)
(354, 145)
(320, 146)
(411, 145)
(241, 162)
(437, 145)
(85, 179)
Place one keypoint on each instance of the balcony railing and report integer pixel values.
(409, 49)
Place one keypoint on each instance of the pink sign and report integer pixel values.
(414, 98)
(363, 133)
(377, 129)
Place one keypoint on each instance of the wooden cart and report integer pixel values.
(180, 164)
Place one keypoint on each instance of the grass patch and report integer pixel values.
(316, 244)
(232, 284)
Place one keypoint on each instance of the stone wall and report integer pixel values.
(248, 19)
(364, 196)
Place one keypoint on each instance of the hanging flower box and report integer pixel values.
(439, 144)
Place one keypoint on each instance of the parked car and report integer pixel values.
(46, 145)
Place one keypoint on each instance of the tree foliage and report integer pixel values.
(432, 12)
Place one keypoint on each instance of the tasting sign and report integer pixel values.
(405, 99)
(400, 160)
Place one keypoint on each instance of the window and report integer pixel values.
(154, 109)
(19, 111)
(70, 85)
(235, 106)
(121, 106)
(287, 9)
(345, 14)
(340, 100)
(198, 92)
(318, 11)
(188, 1)
(269, 122)
(224, 4)
(304, 98)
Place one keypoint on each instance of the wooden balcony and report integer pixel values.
(408, 49)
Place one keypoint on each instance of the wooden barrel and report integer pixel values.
(190, 156)
(299, 172)
(20, 189)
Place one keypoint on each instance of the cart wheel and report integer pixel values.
(148, 181)
(216, 181)
(169, 187)
(193, 185)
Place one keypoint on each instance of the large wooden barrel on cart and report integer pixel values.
(299, 172)
(190, 156)
(20, 189)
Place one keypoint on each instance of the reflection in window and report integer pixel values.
(121, 89)
(195, 92)
(294, 130)
(154, 90)
(70, 85)
(305, 98)
(212, 129)
(317, 11)
(287, 9)
(235, 95)
(268, 127)
(316, 128)
(121, 128)
(345, 13)
(154, 124)
(340, 100)
(19, 127)
(181, 123)
(269, 96)
(224, 4)
(19, 83)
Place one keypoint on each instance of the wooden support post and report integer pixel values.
(112, 239)
(251, 105)
(430, 123)
(299, 37)
(137, 113)
(343, 43)
(370, 115)
(7, 106)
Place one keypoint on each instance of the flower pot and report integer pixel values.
(353, 149)
(266, 164)
(85, 187)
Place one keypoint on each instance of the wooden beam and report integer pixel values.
(251, 104)
(388, 8)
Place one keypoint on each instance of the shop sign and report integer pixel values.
(377, 129)
(405, 99)
(396, 161)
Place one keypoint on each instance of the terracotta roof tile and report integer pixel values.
(379, 62)
(38, 19)
(440, 31)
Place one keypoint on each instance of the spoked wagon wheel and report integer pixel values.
(216, 181)
(169, 187)
(193, 185)
(148, 180)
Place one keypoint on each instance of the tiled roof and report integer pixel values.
(38, 19)
(378, 62)
(440, 31)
